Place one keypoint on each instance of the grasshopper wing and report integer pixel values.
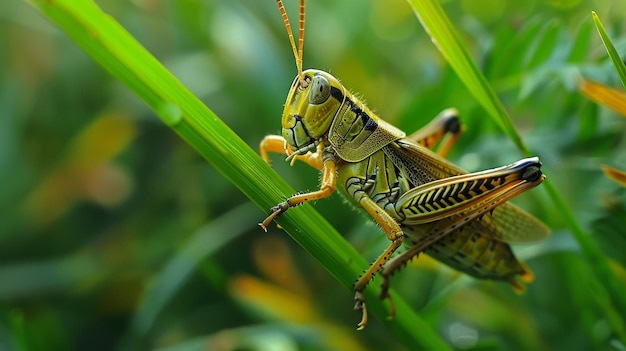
(511, 224)
(418, 164)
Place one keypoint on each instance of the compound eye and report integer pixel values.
(320, 90)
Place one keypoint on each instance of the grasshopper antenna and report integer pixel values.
(297, 52)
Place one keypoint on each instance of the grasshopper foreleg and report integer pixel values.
(278, 144)
(329, 182)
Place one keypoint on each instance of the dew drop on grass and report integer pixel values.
(170, 113)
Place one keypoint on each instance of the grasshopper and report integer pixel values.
(414, 194)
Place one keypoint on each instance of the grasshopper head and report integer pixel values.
(312, 103)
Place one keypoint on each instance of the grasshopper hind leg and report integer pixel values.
(395, 235)
(445, 129)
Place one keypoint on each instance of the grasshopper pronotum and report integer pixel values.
(414, 194)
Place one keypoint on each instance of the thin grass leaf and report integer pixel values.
(108, 43)
(620, 67)
(446, 38)
(506, 61)
(543, 47)
(205, 242)
(439, 27)
(580, 49)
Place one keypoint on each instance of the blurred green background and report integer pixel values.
(116, 235)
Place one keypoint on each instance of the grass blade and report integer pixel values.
(620, 67)
(445, 37)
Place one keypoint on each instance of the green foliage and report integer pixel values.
(618, 62)
(117, 235)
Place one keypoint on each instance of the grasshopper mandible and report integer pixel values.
(415, 195)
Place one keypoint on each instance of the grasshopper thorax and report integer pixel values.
(313, 101)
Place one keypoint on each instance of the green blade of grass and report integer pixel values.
(444, 35)
(201, 244)
(108, 43)
(620, 67)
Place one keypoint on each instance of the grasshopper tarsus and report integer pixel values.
(276, 212)
(360, 306)
(363, 323)
(384, 294)
(392, 308)
(384, 287)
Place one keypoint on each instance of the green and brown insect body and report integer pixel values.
(475, 254)
(414, 194)
(319, 108)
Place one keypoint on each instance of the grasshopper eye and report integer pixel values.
(320, 90)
